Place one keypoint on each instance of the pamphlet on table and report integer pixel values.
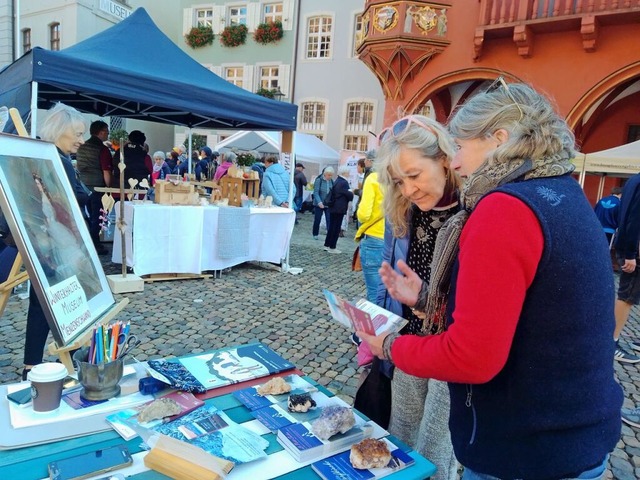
(338, 467)
(206, 371)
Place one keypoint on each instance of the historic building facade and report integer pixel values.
(583, 53)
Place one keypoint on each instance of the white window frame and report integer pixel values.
(314, 127)
(356, 33)
(321, 38)
(55, 35)
(358, 131)
(26, 40)
(272, 79)
(237, 19)
(237, 80)
(272, 16)
(207, 21)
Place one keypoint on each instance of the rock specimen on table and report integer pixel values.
(332, 420)
(300, 402)
(160, 408)
(275, 386)
(370, 453)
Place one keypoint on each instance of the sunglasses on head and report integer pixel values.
(400, 126)
(500, 83)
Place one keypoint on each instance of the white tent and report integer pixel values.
(309, 149)
(622, 160)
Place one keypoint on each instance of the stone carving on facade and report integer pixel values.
(385, 18)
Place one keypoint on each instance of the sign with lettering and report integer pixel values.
(70, 307)
(116, 9)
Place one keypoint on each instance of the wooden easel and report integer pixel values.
(16, 277)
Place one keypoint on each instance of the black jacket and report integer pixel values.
(341, 196)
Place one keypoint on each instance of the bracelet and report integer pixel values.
(387, 343)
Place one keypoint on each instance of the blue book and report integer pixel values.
(251, 399)
(223, 367)
(300, 442)
(338, 467)
(276, 416)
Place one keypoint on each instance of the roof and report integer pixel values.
(122, 72)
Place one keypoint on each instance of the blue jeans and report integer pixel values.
(317, 212)
(596, 473)
(371, 259)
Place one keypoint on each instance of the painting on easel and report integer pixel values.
(51, 235)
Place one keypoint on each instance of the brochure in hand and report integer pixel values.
(363, 315)
(338, 467)
(205, 371)
(250, 398)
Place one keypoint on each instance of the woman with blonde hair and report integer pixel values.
(524, 272)
(420, 194)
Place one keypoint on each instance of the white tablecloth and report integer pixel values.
(184, 239)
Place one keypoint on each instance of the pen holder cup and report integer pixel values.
(99, 381)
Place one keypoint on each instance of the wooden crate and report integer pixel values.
(169, 194)
(233, 188)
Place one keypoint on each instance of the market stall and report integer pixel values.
(193, 239)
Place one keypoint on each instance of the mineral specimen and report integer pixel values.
(275, 386)
(370, 453)
(300, 402)
(332, 420)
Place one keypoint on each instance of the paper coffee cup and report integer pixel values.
(46, 386)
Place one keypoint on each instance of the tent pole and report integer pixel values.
(34, 108)
(288, 144)
(583, 171)
(189, 152)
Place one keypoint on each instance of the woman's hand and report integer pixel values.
(405, 286)
(374, 342)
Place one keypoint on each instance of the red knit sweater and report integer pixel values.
(500, 248)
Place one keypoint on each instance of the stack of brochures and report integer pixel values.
(338, 467)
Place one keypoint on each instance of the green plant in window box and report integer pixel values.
(199, 37)
(269, 32)
(234, 35)
(268, 93)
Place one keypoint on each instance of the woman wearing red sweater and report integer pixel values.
(525, 273)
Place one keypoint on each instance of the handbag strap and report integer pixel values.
(365, 226)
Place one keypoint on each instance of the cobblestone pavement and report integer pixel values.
(287, 312)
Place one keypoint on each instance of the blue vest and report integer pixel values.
(554, 409)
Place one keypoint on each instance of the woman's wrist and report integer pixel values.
(420, 305)
(387, 343)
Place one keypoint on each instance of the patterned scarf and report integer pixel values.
(486, 178)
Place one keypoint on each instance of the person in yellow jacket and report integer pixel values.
(371, 233)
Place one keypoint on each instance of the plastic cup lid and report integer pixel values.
(47, 372)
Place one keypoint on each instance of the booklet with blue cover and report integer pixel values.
(251, 399)
(338, 467)
(205, 371)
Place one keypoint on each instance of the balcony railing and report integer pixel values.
(523, 19)
(496, 12)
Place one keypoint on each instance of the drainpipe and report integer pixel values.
(15, 5)
(294, 61)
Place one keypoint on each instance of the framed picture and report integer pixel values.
(51, 235)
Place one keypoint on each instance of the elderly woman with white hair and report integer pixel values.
(321, 187)
(340, 198)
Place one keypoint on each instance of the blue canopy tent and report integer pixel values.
(122, 72)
